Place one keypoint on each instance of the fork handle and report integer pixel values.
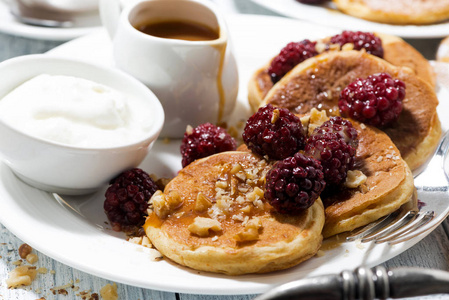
(364, 283)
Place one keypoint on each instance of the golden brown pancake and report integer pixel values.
(398, 12)
(388, 185)
(385, 182)
(221, 223)
(396, 51)
(318, 81)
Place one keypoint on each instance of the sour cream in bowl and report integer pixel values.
(69, 127)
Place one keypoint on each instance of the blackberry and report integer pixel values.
(376, 100)
(293, 184)
(275, 132)
(342, 127)
(205, 140)
(127, 198)
(361, 40)
(336, 152)
(289, 57)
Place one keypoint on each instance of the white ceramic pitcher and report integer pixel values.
(196, 81)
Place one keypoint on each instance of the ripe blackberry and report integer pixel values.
(205, 140)
(334, 145)
(127, 199)
(376, 100)
(361, 40)
(342, 127)
(293, 184)
(289, 57)
(275, 132)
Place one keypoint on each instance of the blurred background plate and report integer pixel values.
(328, 15)
(83, 24)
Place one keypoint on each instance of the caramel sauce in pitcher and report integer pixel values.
(191, 31)
(180, 30)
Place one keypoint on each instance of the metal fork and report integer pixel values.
(408, 221)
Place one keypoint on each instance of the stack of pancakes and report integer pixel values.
(398, 12)
(213, 216)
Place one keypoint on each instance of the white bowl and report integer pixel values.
(61, 168)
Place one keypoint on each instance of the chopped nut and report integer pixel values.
(163, 204)
(236, 168)
(305, 123)
(320, 47)
(189, 129)
(259, 192)
(251, 231)
(32, 258)
(221, 184)
(275, 116)
(347, 46)
(334, 47)
(22, 275)
(109, 292)
(354, 179)
(246, 209)
(241, 176)
(17, 262)
(202, 226)
(42, 270)
(146, 242)
(160, 206)
(317, 118)
(24, 250)
(202, 203)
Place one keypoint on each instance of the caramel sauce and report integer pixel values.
(180, 30)
(152, 221)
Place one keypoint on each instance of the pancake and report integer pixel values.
(398, 12)
(318, 81)
(396, 51)
(379, 183)
(388, 185)
(212, 217)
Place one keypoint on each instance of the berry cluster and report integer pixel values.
(296, 52)
(127, 199)
(275, 132)
(361, 40)
(334, 145)
(289, 57)
(376, 100)
(307, 165)
(205, 140)
(293, 184)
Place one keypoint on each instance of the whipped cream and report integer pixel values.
(75, 111)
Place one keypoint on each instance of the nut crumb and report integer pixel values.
(109, 292)
(275, 116)
(354, 179)
(21, 276)
(202, 226)
(32, 258)
(24, 250)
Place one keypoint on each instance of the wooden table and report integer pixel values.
(431, 252)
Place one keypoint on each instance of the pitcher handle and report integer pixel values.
(110, 13)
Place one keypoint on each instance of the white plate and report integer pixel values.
(327, 14)
(83, 24)
(82, 240)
